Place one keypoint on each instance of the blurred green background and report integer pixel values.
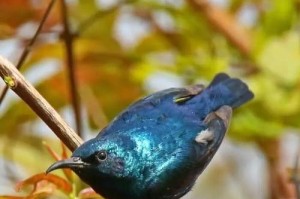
(124, 50)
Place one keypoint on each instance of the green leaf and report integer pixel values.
(250, 125)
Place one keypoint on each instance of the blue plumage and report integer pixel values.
(158, 146)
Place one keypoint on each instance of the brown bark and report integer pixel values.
(73, 84)
(15, 80)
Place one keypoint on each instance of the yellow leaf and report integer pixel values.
(281, 58)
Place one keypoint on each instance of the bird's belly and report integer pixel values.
(174, 181)
(173, 188)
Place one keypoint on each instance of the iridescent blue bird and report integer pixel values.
(159, 145)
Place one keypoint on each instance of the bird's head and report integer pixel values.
(98, 157)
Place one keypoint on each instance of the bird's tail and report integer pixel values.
(228, 91)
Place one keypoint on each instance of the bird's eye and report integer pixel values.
(101, 156)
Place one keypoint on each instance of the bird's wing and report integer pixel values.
(182, 155)
(209, 139)
(188, 93)
(149, 111)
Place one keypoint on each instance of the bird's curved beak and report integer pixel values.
(74, 162)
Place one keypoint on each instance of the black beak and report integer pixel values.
(74, 162)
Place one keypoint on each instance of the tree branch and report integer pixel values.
(225, 24)
(15, 80)
(68, 39)
(295, 176)
(279, 180)
(29, 45)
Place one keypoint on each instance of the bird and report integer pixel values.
(159, 145)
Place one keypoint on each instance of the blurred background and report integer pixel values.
(119, 51)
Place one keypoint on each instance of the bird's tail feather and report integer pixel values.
(218, 78)
(234, 90)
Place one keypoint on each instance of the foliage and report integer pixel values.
(45, 185)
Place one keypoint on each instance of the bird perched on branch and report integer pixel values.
(158, 146)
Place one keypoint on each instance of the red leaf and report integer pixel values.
(12, 197)
(89, 193)
(68, 172)
(64, 154)
(59, 182)
(52, 152)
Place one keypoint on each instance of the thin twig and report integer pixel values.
(84, 25)
(68, 39)
(29, 46)
(15, 80)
